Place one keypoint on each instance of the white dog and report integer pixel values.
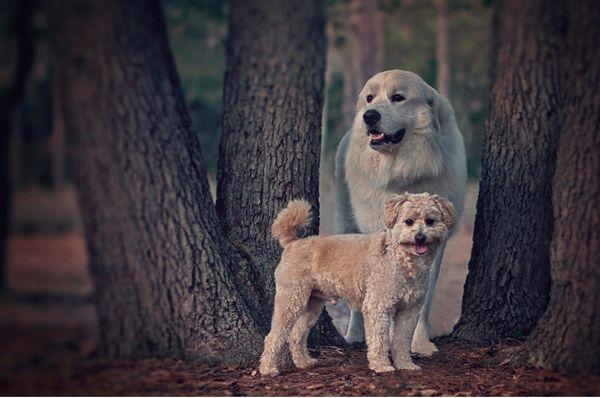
(404, 139)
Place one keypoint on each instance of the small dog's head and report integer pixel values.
(419, 222)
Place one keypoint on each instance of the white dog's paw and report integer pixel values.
(381, 368)
(352, 338)
(356, 330)
(266, 370)
(306, 363)
(406, 365)
(423, 347)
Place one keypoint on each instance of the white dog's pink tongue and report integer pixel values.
(421, 249)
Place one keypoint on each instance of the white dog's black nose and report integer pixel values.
(371, 117)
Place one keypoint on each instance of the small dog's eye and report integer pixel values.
(397, 98)
(429, 221)
(409, 222)
(369, 98)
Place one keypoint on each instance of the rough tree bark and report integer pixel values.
(567, 337)
(508, 282)
(443, 48)
(9, 102)
(271, 134)
(161, 267)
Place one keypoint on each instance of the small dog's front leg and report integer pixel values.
(405, 322)
(377, 330)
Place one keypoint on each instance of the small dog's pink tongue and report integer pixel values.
(420, 249)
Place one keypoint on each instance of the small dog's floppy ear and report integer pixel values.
(391, 209)
(447, 209)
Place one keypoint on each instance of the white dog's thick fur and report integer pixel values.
(421, 151)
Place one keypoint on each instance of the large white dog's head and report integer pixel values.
(396, 109)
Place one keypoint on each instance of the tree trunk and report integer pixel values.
(508, 282)
(161, 267)
(59, 169)
(366, 32)
(567, 337)
(10, 102)
(444, 76)
(271, 134)
(365, 56)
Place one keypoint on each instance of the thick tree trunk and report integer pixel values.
(443, 49)
(567, 337)
(271, 133)
(161, 267)
(10, 102)
(508, 282)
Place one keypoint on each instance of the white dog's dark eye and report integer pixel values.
(429, 221)
(369, 98)
(409, 222)
(397, 98)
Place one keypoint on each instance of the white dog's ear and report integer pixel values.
(447, 209)
(392, 207)
(442, 110)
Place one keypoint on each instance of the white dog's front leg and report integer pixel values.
(405, 322)
(421, 343)
(356, 328)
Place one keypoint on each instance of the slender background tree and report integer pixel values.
(10, 102)
(444, 74)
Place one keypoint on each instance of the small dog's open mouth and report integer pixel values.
(421, 249)
(382, 140)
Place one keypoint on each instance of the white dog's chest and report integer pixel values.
(368, 200)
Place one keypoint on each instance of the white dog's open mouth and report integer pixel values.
(421, 249)
(376, 136)
(380, 140)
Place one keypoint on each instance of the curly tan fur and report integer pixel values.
(295, 216)
(382, 274)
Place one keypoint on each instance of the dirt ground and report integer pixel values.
(49, 342)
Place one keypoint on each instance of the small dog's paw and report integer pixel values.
(268, 370)
(423, 347)
(306, 363)
(406, 365)
(379, 368)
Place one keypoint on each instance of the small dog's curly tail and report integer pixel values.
(296, 216)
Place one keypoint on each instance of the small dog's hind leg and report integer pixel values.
(421, 342)
(299, 335)
(377, 328)
(289, 306)
(405, 322)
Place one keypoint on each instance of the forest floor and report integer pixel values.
(49, 343)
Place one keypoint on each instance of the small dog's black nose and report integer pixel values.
(371, 117)
(420, 239)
